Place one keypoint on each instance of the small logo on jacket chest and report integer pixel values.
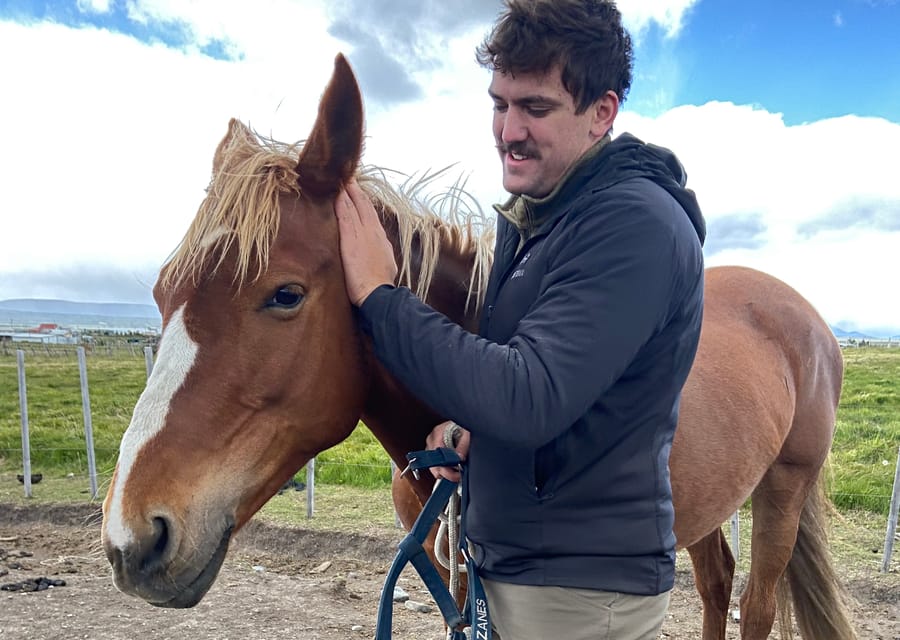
(520, 271)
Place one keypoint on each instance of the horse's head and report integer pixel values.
(260, 365)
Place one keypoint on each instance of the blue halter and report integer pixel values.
(475, 610)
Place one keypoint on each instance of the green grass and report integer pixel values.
(358, 461)
(863, 455)
(116, 379)
(56, 420)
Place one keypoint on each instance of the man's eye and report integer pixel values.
(500, 108)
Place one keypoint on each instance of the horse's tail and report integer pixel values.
(819, 599)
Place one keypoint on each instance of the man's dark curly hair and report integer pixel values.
(585, 38)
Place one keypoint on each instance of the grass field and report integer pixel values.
(863, 455)
(864, 452)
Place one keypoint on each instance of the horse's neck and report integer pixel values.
(396, 418)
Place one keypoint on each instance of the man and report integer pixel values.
(570, 391)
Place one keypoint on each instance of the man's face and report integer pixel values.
(538, 134)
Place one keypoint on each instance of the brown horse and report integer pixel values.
(261, 366)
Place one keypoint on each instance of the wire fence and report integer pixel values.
(109, 348)
(86, 464)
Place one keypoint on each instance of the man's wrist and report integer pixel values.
(368, 291)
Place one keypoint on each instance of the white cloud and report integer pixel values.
(93, 6)
(662, 69)
(744, 160)
(846, 275)
(268, 32)
(668, 15)
(109, 148)
(113, 140)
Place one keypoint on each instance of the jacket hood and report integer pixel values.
(629, 157)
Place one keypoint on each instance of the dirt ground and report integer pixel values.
(276, 583)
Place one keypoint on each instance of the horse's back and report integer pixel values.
(764, 386)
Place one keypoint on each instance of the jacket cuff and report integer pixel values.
(374, 305)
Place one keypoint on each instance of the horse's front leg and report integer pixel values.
(713, 575)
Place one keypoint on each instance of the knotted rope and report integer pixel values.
(448, 529)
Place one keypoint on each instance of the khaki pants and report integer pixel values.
(523, 612)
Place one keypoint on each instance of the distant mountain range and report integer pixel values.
(840, 333)
(65, 307)
(27, 313)
(60, 310)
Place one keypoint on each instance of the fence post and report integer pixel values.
(892, 518)
(148, 360)
(736, 534)
(310, 487)
(23, 411)
(88, 422)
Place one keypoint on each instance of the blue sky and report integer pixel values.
(805, 59)
(785, 114)
(112, 16)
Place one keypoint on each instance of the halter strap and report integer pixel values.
(411, 550)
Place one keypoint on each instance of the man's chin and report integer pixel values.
(516, 185)
(519, 188)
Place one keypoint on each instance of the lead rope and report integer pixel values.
(449, 528)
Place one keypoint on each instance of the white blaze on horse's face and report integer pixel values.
(176, 356)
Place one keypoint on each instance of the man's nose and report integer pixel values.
(513, 128)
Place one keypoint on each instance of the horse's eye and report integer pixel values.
(286, 297)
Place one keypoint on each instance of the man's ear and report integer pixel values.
(603, 113)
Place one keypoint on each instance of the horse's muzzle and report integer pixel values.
(150, 569)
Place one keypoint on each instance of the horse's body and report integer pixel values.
(261, 366)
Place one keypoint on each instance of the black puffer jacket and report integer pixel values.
(571, 391)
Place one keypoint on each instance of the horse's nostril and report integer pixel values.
(159, 545)
(116, 557)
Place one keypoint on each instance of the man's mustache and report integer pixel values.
(518, 148)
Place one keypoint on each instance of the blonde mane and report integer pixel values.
(241, 211)
(452, 216)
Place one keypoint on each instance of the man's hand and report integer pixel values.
(435, 440)
(365, 250)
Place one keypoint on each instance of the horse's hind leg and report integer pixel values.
(713, 575)
(777, 503)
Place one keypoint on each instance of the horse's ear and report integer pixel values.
(237, 131)
(333, 149)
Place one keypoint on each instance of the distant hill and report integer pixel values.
(68, 308)
(880, 334)
(50, 309)
(840, 333)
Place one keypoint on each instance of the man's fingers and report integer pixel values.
(361, 203)
(435, 440)
(354, 210)
(446, 472)
(355, 193)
